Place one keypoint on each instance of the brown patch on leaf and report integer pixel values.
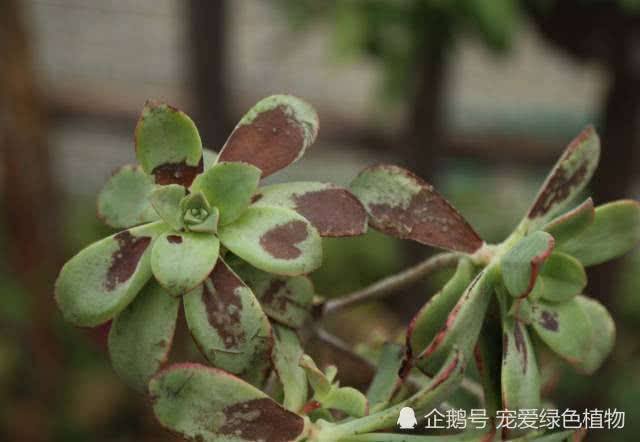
(174, 239)
(280, 242)
(428, 219)
(124, 261)
(270, 142)
(445, 373)
(224, 305)
(536, 264)
(261, 419)
(257, 197)
(521, 345)
(549, 320)
(333, 211)
(177, 173)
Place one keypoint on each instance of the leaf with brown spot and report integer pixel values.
(403, 205)
(520, 376)
(565, 328)
(141, 335)
(229, 326)
(273, 134)
(124, 200)
(180, 261)
(522, 263)
(274, 239)
(168, 145)
(103, 279)
(572, 223)
(566, 180)
(210, 405)
(333, 210)
(463, 324)
(284, 299)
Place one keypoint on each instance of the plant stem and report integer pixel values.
(390, 284)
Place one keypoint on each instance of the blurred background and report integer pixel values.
(478, 97)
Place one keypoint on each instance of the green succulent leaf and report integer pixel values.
(522, 263)
(566, 180)
(428, 321)
(274, 239)
(604, 334)
(565, 328)
(286, 355)
(520, 377)
(387, 379)
(166, 202)
(210, 158)
(285, 299)
(168, 145)
(124, 200)
(273, 134)
(141, 335)
(180, 261)
(463, 324)
(229, 187)
(333, 210)
(572, 223)
(103, 279)
(401, 204)
(319, 381)
(209, 224)
(211, 405)
(229, 326)
(563, 277)
(614, 231)
(346, 399)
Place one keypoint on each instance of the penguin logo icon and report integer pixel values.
(407, 419)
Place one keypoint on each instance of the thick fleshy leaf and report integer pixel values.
(166, 202)
(563, 277)
(333, 210)
(124, 199)
(566, 180)
(520, 377)
(286, 354)
(565, 328)
(210, 158)
(229, 187)
(614, 231)
(403, 205)
(273, 134)
(604, 334)
(180, 261)
(463, 324)
(522, 263)
(209, 224)
(387, 379)
(346, 399)
(570, 224)
(319, 381)
(103, 279)
(168, 145)
(229, 326)
(209, 405)
(426, 324)
(141, 335)
(286, 299)
(274, 239)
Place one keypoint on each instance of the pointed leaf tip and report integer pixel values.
(401, 204)
(273, 134)
(168, 145)
(568, 177)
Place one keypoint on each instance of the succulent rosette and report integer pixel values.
(185, 211)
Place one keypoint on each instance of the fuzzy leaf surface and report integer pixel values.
(273, 134)
(141, 335)
(103, 278)
(124, 200)
(401, 204)
(211, 405)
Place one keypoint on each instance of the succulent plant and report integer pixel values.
(198, 229)
(186, 212)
